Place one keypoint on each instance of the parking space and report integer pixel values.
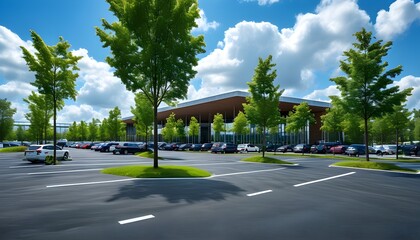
(241, 200)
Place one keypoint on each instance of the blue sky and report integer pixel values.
(305, 37)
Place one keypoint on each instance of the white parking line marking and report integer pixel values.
(91, 183)
(35, 166)
(324, 179)
(136, 219)
(69, 171)
(259, 193)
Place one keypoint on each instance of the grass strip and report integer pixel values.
(260, 159)
(13, 149)
(161, 172)
(147, 154)
(373, 165)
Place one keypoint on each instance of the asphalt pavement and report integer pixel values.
(240, 201)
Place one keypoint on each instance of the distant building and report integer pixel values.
(229, 104)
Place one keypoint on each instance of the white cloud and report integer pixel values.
(323, 94)
(401, 14)
(413, 101)
(203, 24)
(315, 43)
(263, 2)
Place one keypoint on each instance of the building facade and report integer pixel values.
(229, 104)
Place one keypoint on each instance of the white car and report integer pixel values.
(38, 153)
(247, 148)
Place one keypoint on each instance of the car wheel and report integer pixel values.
(125, 152)
(66, 156)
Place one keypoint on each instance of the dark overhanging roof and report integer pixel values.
(228, 104)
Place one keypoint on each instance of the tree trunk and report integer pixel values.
(54, 130)
(155, 136)
(396, 133)
(366, 140)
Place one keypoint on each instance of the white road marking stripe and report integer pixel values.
(69, 171)
(324, 179)
(35, 166)
(91, 183)
(240, 173)
(259, 193)
(136, 219)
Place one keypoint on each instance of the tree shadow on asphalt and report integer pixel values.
(176, 190)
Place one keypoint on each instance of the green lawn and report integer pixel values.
(147, 154)
(13, 149)
(373, 165)
(260, 159)
(161, 172)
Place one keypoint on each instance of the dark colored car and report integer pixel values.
(105, 147)
(224, 148)
(206, 146)
(355, 150)
(184, 147)
(272, 148)
(302, 148)
(127, 148)
(171, 146)
(195, 147)
(286, 148)
(325, 147)
(410, 150)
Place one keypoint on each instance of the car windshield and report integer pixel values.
(33, 147)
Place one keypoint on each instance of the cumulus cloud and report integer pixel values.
(263, 2)
(323, 94)
(203, 24)
(413, 101)
(315, 42)
(401, 14)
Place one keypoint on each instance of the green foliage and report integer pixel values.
(114, 124)
(153, 49)
(49, 160)
(180, 130)
(240, 124)
(143, 115)
(262, 106)
(299, 119)
(103, 130)
(6, 118)
(417, 129)
(381, 131)
(194, 128)
(373, 165)
(161, 172)
(13, 149)
(73, 132)
(93, 129)
(261, 159)
(333, 119)
(83, 131)
(169, 131)
(218, 126)
(366, 91)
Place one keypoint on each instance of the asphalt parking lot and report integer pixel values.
(240, 201)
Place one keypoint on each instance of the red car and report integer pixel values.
(340, 149)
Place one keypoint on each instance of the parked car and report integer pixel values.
(286, 148)
(355, 150)
(132, 148)
(38, 153)
(95, 146)
(413, 149)
(206, 146)
(302, 148)
(247, 148)
(184, 147)
(171, 146)
(272, 148)
(195, 147)
(106, 146)
(340, 149)
(62, 143)
(325, 147)
(224, 148)
(8, 144)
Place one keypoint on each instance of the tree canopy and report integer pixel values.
(6, 118)
(366, 91)
(153, 49)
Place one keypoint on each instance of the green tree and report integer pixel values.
(73, 132)
(218, 126)
(352, 128)
(299, 119)
(380, 131)
(83, 131)
(262, 107)
(153, 49)
(103, 130)
(20, 134)
(114, 124)
(169, 131)
(417, 129)
(180, 130)
(194, 128)
(240, 125)
(332, 120)
(54, 67)
(6, 118)
(366, 91)
(143, 115)
(398, 121)
(93, 129)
